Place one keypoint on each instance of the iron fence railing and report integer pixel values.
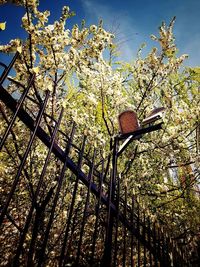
(59, 207)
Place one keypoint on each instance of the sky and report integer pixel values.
(132, 21)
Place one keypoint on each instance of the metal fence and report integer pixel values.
(62, 204)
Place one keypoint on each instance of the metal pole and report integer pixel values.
(107, 257)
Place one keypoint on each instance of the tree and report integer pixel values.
(163, 170)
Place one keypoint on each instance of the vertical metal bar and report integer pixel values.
(125, 232)
(171, 252)
(183, 256)
(167, 248)
(107, 257)
(149, 241)
(133, 226)
(117, 223)
(7, 70)
(144, 236)
(62, 255)
(97, 215)
(159, 244)
(73, 226)
(16, 180)
(138, 229)
(175, 254)
(180, 256)
(155, 245)
(106, 261)
(17, 110)
(85, 211)
(60, 181)
(163, 254)
(107, 167)
(33, 204)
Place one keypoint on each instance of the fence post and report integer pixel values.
(107, 257)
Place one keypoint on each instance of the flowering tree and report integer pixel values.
(57, 55)
(71, 64)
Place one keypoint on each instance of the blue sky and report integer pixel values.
(134, 21)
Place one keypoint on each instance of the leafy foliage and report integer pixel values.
(163, 167)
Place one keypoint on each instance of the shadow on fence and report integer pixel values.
(59, 207)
